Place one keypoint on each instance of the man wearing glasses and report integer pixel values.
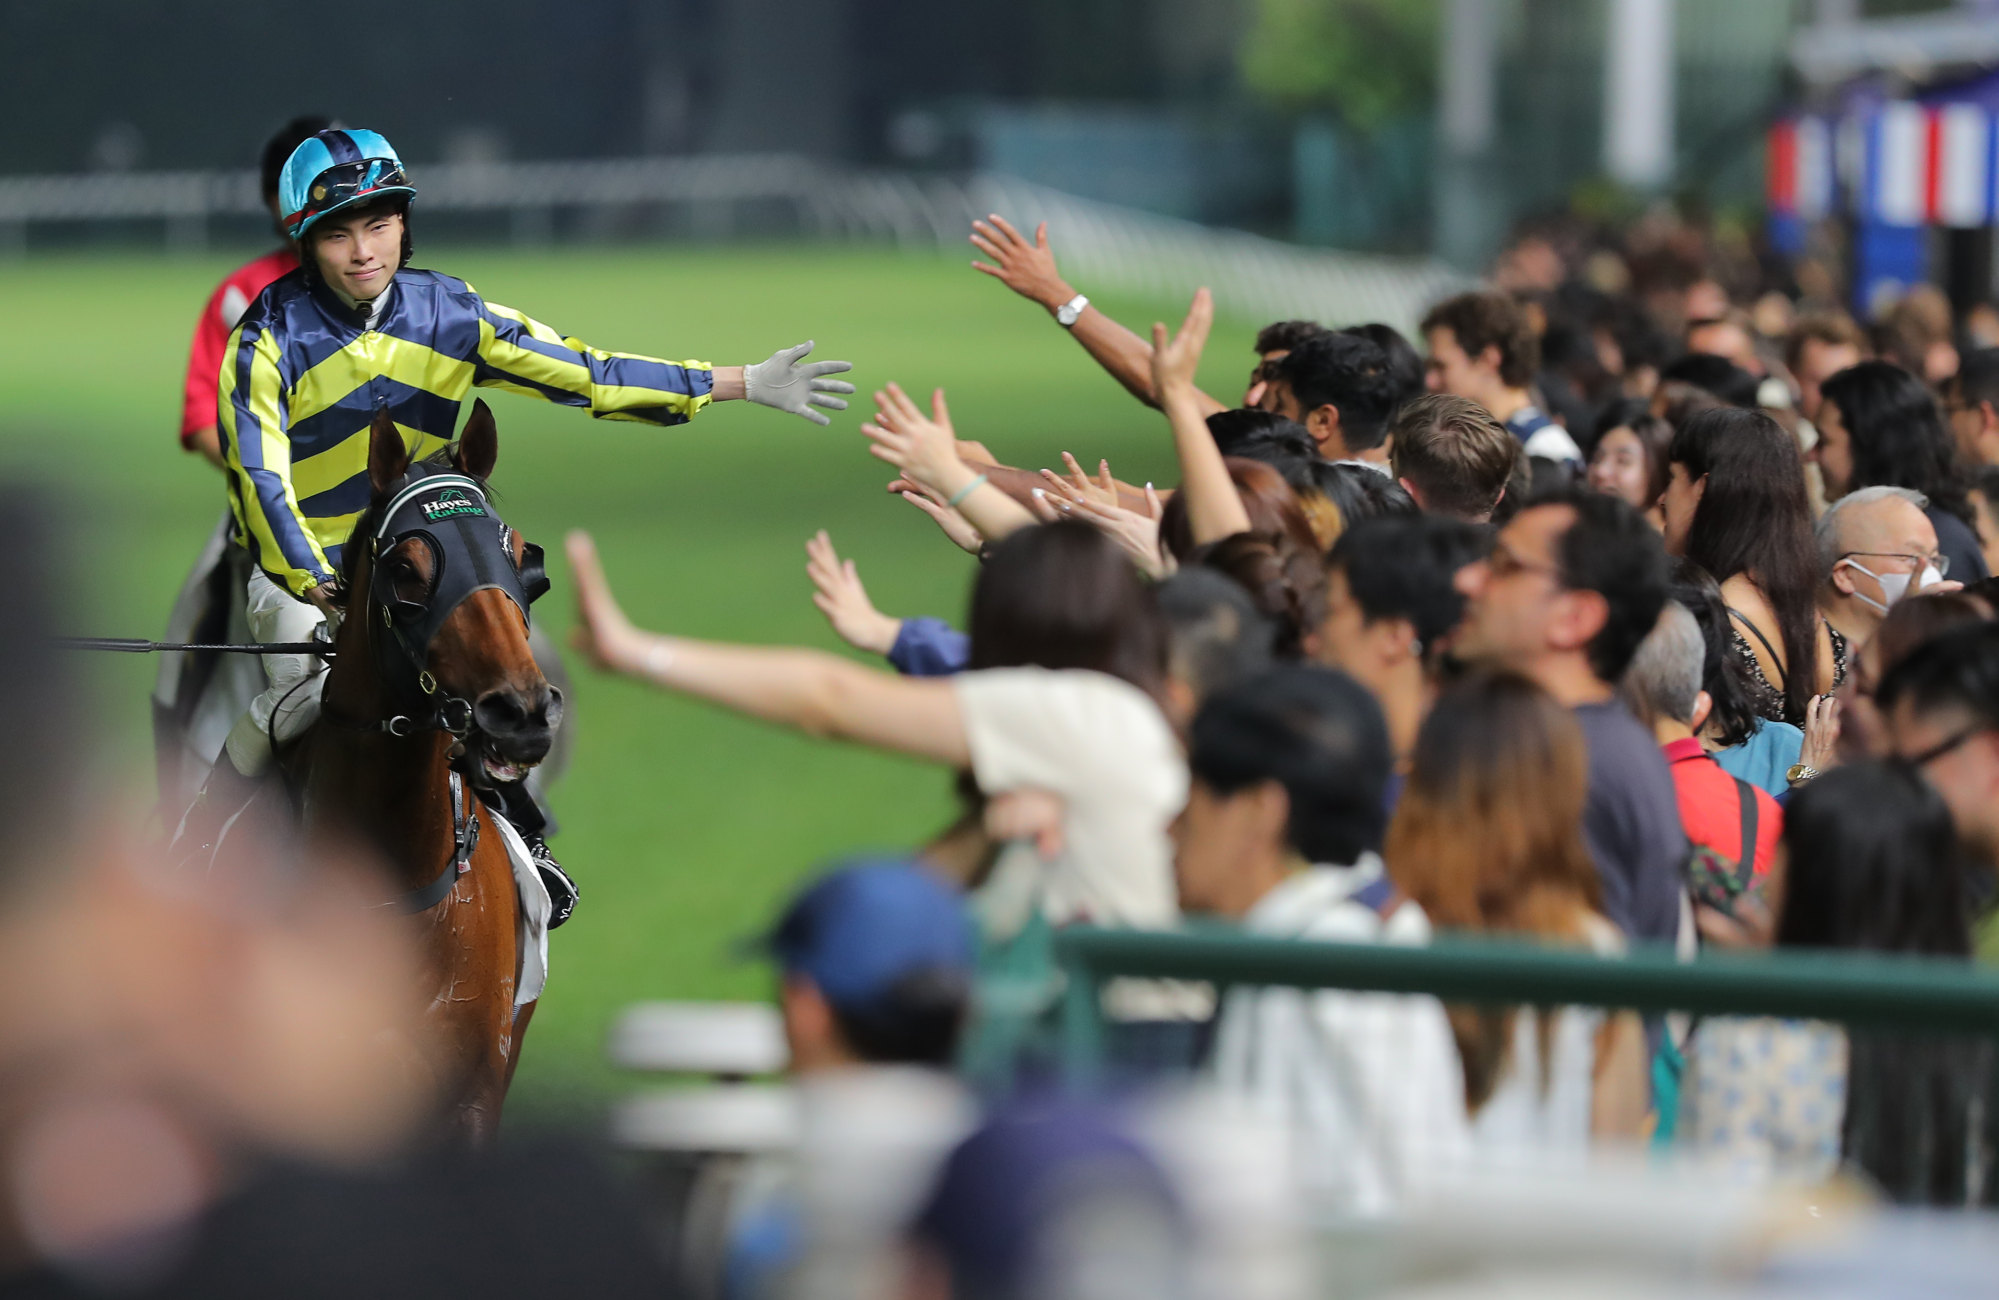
(1876, 546)
(1941, 707)
(1574, 584)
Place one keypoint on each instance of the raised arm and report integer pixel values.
(925, 449)
(1214, 508)
(819, 694)
(1029, 270)
(837, 592)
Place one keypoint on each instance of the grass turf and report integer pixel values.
(684, 826)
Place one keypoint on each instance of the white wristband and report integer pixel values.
(659, 658)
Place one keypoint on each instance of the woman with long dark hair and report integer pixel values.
(1879, 426)
(1873, 865)
(1487, 837)
(1627, 456)
(1735, 504)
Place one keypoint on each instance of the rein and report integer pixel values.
(137, 646)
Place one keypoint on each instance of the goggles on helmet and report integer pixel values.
(344, 183)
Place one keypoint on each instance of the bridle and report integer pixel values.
(471, 551)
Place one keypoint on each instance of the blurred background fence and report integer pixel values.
(722, 197)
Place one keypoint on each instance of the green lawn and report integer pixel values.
(684, 826)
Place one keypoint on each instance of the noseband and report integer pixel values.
(471, 551)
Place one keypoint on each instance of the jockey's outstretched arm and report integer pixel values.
(519, 353)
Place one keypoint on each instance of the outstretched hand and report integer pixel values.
(1135, 532)
(1026, 268)
(1175, 360)
(1078, 486)
(603, 633)
(787, 382)
(951, 523)
(839, 595)
(923, 447)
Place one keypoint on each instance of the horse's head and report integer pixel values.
(445, 586)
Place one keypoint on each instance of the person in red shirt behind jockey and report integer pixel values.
(197, 696)
(355, 330)
(235, 294)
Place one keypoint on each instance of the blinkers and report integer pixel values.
(471, 551)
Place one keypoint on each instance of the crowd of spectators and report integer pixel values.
(1655, 618)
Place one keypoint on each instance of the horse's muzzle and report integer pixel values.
(518, 726)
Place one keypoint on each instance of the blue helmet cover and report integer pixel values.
(334, 169)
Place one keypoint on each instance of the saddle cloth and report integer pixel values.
(532, 946)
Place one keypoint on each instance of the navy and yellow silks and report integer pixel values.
(304, 374)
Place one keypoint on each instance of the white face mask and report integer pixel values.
(1893, 585)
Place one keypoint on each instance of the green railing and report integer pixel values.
(1906, 993)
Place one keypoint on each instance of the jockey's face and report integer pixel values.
(358, 254)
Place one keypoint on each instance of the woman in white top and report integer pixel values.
(1487, 837)
(1068, 663)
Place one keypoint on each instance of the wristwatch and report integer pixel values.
(1799, 774)
(1069, 312)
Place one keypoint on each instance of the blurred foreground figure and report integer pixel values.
(205, 1076)
(1051, 1201)
(876, 961)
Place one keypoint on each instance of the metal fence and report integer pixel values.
(1900, 993)
(725, 196)
(1791, 1066)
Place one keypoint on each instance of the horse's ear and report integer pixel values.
(478, 443)
(388, 456)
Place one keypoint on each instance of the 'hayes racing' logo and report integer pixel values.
(451, 502)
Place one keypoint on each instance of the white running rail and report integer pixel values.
(1101, 244)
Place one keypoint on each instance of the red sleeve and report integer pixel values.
(204, 368)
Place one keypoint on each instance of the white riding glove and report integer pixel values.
(783, 383)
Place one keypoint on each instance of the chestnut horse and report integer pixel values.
(425, 706)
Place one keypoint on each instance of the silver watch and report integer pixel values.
(1071, 311)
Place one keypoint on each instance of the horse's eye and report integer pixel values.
(406, 580)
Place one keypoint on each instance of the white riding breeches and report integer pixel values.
(291, 696)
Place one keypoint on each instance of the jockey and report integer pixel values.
(356, 328)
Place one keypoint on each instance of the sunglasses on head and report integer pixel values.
(343, 182)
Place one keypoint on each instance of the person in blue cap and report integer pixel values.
(355, 329)
(875, 962)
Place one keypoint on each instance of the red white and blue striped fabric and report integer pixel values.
(1901, 164)
(1801, 168)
